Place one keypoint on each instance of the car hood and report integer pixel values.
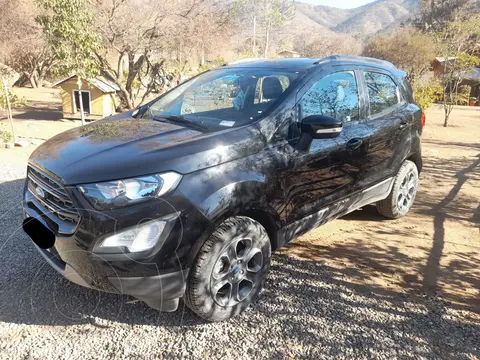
(122, 148)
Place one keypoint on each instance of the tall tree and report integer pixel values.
(68, 27)
(266, 15)
(249, 11)
(274, 15)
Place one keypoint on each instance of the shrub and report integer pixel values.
(6, 136)
(463, 94)
(15, 101)
(428, 92)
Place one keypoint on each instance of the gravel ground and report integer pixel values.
(308, 310)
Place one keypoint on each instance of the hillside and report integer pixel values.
(361, 22)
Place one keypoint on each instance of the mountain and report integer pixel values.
(363, 21)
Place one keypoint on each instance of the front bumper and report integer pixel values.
(156, 277)
(161, 292)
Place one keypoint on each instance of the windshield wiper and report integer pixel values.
(181, 120)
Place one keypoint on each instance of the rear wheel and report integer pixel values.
(229, 270)
(403, 193)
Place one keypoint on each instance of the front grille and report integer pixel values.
(50, 198)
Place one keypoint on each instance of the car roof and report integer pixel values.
(284, 63)
(307, 63)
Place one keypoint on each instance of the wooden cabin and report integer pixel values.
(98, 97)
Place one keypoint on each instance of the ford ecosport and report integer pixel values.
(187, 196)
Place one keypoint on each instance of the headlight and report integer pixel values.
(114, 194)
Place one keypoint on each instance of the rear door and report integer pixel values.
(389, 119)
(331, 168)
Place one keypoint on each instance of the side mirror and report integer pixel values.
(321, 127)
(136, 111)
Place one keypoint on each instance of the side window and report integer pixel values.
(335, 95)
(382, 92)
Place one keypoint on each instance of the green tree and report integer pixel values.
(68, 27)
(455, 68)
(459, 42)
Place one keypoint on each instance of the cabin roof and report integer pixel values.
(99, 82)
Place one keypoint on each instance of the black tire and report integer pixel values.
(400, 199)
(224, 257)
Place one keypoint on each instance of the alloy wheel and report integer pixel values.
(407, 191)
(234, 275)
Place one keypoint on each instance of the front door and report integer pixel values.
(330, 169)
(389, 120)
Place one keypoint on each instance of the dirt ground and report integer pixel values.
(40, 119)
(435, 250)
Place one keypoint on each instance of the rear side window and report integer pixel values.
(335, 95)
(382, 92)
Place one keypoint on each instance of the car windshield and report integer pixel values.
(224, 98)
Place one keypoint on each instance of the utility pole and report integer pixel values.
(9, 109)
(80, 99)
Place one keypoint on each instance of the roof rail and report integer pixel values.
(241, 61)
(353, 58)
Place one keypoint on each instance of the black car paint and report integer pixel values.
(256, 170)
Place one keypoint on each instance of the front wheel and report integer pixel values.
(229, 270)
(403, 193)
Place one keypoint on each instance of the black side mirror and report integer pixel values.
(321, 127)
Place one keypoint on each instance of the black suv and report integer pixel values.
(187, 196)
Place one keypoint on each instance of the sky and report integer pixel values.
(345, 4)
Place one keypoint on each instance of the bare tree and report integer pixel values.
(407, 48)
(131, 32)
(33, 63)
(140, 37)
(249, 11)
(22, 43)
(434, 14)
(266, 15)
(274, 14)
(329, 44)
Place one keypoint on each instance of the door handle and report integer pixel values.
(354, 144)
(403, 125)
